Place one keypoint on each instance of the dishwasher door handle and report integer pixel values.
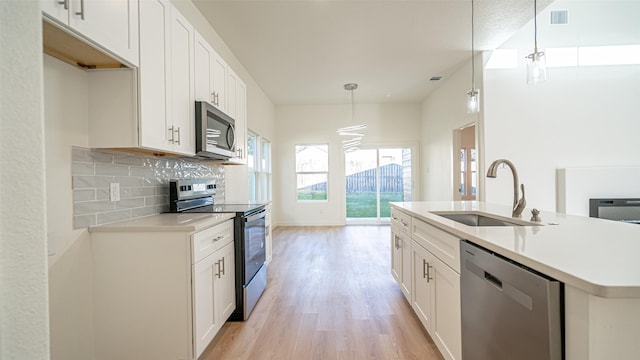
(493, 280)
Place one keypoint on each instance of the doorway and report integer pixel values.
(373, 178)
(465, 163)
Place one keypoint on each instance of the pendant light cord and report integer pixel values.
(535, 27)
(473, 62)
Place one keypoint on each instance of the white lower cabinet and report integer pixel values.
(161, 294)
(426, 266)
(213, 294)
(401, 260)
(436, 301)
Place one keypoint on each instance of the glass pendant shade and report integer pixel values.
(536, 67)
(473, 101)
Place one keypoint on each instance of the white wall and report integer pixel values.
(24, 320)
(388, 124)
(66, 125)
(580, 117)
(444, 111)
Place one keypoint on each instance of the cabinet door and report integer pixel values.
(56, 9)
(225, 290)
(446, 320)
(422, 286)
(396, 256)
(181, 131)
(155, 42)
(112, 24)
(203, 65)
(219, 73)
(205, 321)
(237, 109)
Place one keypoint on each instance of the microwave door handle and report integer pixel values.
(233, 133)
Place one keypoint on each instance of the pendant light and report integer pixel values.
(473, 95)
(352, 131)
(536, 61)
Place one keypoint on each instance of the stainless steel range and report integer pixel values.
(249, 235)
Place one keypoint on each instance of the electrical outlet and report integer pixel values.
(114, 192)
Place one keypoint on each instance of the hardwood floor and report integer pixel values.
(330, 295)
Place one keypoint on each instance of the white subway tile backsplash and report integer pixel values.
(81, 168)
(114, 170)
(90, 207)
(84, 195)
(144, 184)
(113, 216)
(87, 181)
(82, 221)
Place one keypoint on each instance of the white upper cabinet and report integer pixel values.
(211, 74)
(112, 25)
(155, 55)
(181, 131)
(161, 116)
(237, 109)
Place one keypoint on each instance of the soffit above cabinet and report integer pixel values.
(67, 47)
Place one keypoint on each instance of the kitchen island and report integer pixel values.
(595, 259)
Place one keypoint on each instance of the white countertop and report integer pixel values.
(601, 257)
(186, 222)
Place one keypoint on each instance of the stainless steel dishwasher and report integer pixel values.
(508, 311)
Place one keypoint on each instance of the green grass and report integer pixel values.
(363, 205)
(312, 195)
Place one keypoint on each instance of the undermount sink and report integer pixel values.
(476, 219)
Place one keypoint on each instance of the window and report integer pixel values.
(259, 167)
(312, 172)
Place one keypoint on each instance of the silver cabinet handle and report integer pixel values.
(65, 3)
(217, 263)
(424, 269)
(223, 267)
(81, 13)
(217, 238)
(428, 271)
(178, 131)
(171, 132)
(403, 223)
(396, 241)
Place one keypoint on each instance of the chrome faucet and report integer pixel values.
(518, 204)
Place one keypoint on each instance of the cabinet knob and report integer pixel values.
(178, 131)
(65, 3)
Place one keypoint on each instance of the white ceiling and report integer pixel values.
(304, 51)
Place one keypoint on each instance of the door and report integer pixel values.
(465, 163)
(373, 178)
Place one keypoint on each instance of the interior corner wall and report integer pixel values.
(387, 125)
(66, 125)
(24, 319)
(580, 117)
(444, 111)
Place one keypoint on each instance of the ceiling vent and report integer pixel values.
(559, 17)
(435, 78)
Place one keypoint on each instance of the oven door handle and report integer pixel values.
(257, 216)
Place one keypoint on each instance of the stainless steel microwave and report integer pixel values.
(215, 133)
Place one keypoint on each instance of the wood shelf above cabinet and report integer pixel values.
(67, 47)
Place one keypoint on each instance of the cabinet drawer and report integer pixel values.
(401, 221)
(443, 245)
(207, 241)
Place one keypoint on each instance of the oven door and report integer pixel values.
(254, 250)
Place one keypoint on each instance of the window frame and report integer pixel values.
(258, 171)
(295, 163)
